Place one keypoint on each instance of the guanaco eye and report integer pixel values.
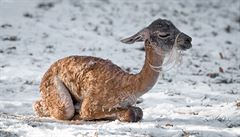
(163, 35)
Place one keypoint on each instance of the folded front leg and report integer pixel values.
(131, 114)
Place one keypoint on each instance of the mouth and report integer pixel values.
(185, 46)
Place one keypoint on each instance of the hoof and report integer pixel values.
(76, 117)
(40, 109)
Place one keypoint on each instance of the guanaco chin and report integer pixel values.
(102, 89)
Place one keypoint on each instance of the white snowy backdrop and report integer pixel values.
(201, 97)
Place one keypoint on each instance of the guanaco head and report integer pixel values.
(162, 33)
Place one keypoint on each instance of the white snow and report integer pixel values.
(184, 102)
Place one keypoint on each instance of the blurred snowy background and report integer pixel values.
(199, 98)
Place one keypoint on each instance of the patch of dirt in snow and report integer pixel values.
(198, 98)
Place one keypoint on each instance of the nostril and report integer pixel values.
(189, 39)
(185, 38)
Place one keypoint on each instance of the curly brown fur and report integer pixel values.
(103, 89)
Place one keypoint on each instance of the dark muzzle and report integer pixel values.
(184, 41)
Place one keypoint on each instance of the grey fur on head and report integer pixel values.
(162, 33)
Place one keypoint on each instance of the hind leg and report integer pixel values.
(57, 99)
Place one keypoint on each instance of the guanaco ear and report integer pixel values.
(138, 37)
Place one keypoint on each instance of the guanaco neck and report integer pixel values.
(149, 74)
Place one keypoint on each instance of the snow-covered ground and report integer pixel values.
(201, 97)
